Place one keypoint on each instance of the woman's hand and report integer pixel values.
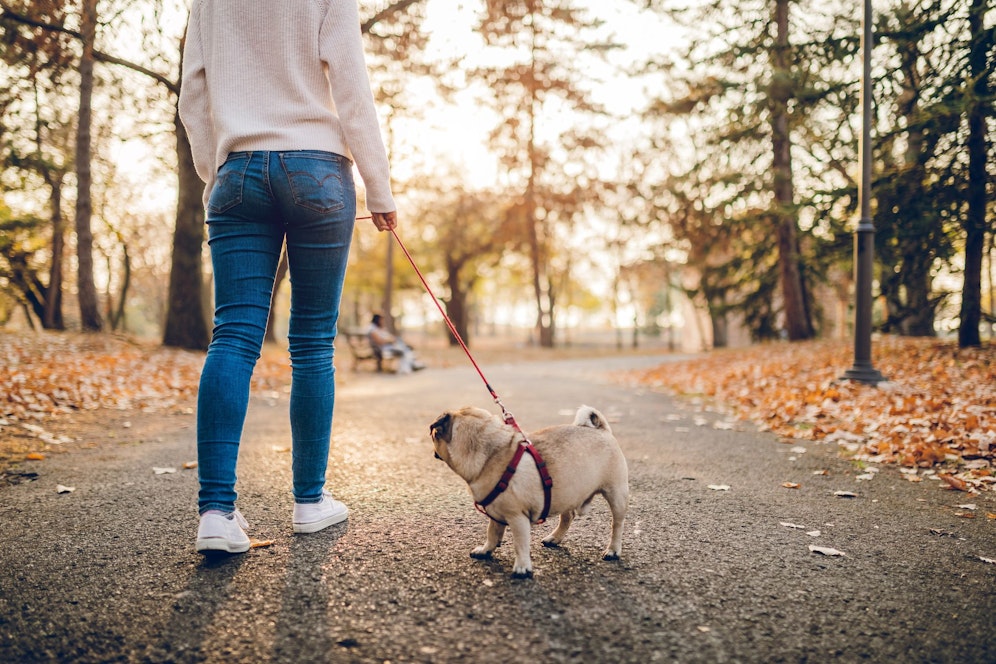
(385, 221)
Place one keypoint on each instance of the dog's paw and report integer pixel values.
(610, 555)
(522, 574)
(551, 543)
(480, 553)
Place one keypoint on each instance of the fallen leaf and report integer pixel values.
(61, 488)
(258, 544)
(719, 487)
(704, 629)
(190, 465)
(987, 560)
(34, 456)
(791, 525)
(277, 448)
(954, 482)
(791, 485)
(722, 425)
(821, 472)
(845, 494)
(965, 515)
(865, 477)
(163, 471)
(825, 550)
(942, 533)
(990, 515)
(967, 506)
(798, 450)
(814, 533)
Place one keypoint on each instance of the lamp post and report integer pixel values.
(864, 237)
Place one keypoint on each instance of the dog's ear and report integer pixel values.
(441, 428)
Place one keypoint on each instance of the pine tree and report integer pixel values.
(537, 90)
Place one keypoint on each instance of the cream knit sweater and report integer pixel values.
(281, 75)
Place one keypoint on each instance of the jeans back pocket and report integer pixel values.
(315, 180)
(228, 185)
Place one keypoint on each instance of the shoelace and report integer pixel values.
(241, 520)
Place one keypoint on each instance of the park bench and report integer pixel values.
(364, 351)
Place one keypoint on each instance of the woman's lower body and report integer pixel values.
(261, 200)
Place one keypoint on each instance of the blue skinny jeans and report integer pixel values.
(258, 200)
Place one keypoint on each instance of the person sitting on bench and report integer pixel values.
(388, 345)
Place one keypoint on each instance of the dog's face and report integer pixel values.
(440, 432)
(465, 434)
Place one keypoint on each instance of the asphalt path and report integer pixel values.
(108, 573)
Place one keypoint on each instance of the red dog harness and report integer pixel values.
(524, 446)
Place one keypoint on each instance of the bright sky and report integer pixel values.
(461, 129)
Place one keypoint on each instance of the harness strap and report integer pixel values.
(506, 477)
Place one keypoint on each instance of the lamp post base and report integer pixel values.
(864, 373)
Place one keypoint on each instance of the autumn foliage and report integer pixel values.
(938, 408)
(48, 379)
(45, 375)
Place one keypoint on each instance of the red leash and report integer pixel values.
(525, 445)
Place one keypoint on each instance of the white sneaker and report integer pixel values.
(312, 517)
(222, 532)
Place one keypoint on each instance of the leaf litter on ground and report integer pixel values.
(45, 376)
(937, 410)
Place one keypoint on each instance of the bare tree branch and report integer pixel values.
(386, 12)
(172, 86)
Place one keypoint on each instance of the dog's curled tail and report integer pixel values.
(589, 417)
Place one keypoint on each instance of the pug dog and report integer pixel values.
(583, 459)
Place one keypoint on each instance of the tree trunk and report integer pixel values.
(186, 324)
(52, 317)
(720, 323)
(798, 324)
(975, 221)
(918, 319)
(117, 315)
(90, 319)
(456, 306)
(544, 310)
(548, 332)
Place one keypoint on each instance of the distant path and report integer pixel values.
(108, 572)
